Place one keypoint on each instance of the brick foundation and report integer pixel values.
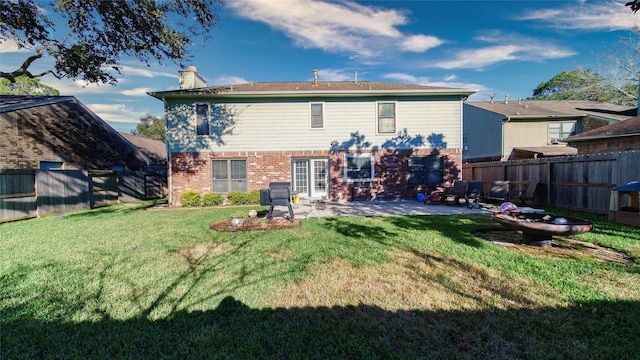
(192, 171)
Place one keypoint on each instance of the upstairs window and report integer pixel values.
(559, 130)
(359, 167)
(202, 111)
(386, 117)
(317, 116)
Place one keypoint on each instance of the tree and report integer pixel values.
(621, 64)
(151, 127)
(24, 85)
(97, 34)
(576, 84)
(633, 5)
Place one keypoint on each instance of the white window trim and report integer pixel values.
(311, 115)
(346, 168)
(395, 108)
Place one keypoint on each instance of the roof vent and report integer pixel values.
(315, 77)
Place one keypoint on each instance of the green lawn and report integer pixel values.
(127, 281)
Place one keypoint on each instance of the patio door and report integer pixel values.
(310, 177)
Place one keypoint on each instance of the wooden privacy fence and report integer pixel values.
(580, 182)
(32, 193)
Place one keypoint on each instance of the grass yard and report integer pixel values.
(127, 281)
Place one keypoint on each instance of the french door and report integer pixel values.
(310, 177)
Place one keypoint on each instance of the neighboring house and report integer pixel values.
(533, 128)
(621, 136)
(344, 140)
(59, 132)
(154, 150)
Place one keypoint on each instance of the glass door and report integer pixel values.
(310, 177)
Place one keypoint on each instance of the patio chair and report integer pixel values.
(456, 193)
(475, 191)
(499, 191)
(530, 194)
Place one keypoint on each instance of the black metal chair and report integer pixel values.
(456, 193)
(499, 191)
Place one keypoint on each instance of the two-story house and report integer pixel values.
(343, 140)
(509, 130)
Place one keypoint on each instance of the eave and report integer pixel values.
(191, 94)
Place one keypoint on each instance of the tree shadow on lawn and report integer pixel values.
(598, 329)
(455, 227)
(458, 228)
(121, 209)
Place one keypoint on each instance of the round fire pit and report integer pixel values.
(538, 229)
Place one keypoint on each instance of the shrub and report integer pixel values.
(241, 198)
(190, 198)
(211, 199)
(254, 196)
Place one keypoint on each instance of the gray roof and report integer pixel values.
(629, 127)
(555, 150)
(155, 150)
(320, 88)
(531, 109)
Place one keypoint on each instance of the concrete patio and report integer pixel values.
(304, 208)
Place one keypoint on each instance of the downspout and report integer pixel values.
(168, 146)
(462, 99)
(503, 152)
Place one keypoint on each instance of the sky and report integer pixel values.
(500, 48)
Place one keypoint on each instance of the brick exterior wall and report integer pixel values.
(609, 145)
(192, 171)
(589, 123)
(21, 150)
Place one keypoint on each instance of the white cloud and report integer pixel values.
(229, 80)
(604, 15)
(423, 80)
(137, 91)
(72, 87)
(510, 48)
(336, 75)
(341, 27)
(11, 46)
(406, 78)
(146, 72)
(420, 43)
(450, 77)
(115, 112)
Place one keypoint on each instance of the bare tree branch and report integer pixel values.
(24, 68)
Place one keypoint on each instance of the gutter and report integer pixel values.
(306, 93)
(598, 137)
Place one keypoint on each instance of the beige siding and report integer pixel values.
(285, 125)
(523, 134)
(432, 119)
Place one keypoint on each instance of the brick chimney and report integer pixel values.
(189, 78)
